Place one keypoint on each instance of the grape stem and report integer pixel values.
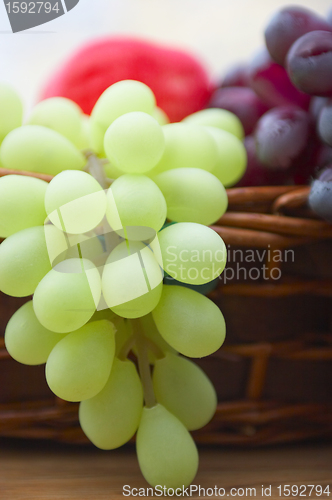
(159, 354)
(126, 348)
(129, 344)
(143, 363)
(96, 169)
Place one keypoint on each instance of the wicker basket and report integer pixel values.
(274, 373)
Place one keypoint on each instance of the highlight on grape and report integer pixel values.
(113, 202)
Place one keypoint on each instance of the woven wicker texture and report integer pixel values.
(274, 373)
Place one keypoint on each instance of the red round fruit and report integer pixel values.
(178, 80)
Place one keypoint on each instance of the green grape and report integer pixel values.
(134, 143)
(232, 161)
(111, 171)
(39, 149)
(152, 333)
(192, 253)
(62, 246)
(67, 297)
(192, 195)
(75, 202)
(104, 314)
(85, 141)
(132, 280)
(135, 205)
(120, 98)
(27, 341)
(184, 390)
(24, 261)
(21, 203)
(85, 247)
(189, 322)
(112, 417)
(219, 118)
(160, 115)
(80, 364)
(97, 134)
(166, 452)
(59, 114)
(59, 244)
(157, 346)
(187, 146)
(11, 110)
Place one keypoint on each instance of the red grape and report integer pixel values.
(236, 76)
(316, 106)
(281, 136)
(272, 84)
(241, 101)
(320, 197)
(324, 123)
(289, 24)
(256, 173)
(308, 163)
(323, 156)
(309, 63)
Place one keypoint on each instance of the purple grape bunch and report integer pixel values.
(283, 98)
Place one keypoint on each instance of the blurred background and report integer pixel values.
(218, 32)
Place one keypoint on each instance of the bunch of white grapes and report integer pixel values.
(91, 247)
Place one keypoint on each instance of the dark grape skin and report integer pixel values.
(309, 63)
(241, 101)
(289, 24)
(272, 84)
(236, 76)
(312, 159)
(316, 106)
(323, 156)
(320, 197)
(256, 173)
(282, 135)
(301, 172)
(324, 123)
(326, 174)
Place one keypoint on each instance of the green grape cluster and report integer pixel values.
(89, 249)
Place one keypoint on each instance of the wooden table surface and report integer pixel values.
(40, 471)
